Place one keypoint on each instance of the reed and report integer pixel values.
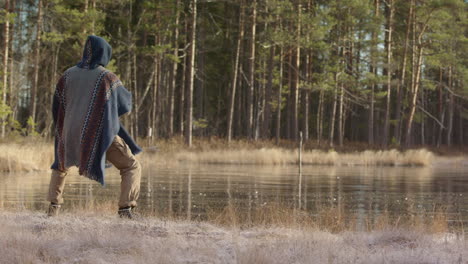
(38, 155)
(275, 156)
(26, 157)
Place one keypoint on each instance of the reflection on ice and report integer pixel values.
(356, 194)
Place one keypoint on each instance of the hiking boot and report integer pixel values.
(54, 210)
(128, 212)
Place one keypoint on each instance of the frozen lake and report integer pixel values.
(361, 193)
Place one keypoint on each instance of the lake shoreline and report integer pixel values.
(28, 155)
(31, 237)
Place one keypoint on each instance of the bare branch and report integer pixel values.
(148, 86)
(431, 116)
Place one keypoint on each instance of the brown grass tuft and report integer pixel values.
(38, 155)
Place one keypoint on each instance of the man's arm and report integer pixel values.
(124, 100)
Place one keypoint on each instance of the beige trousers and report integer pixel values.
(121, 157)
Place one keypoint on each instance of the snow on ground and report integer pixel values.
(30, 237)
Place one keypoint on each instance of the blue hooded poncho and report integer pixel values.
(87, 104)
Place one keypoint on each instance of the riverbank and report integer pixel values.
(30, 237)
(37, 155)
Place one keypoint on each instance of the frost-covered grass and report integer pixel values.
(30, 237)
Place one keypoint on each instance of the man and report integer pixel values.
(87, 104)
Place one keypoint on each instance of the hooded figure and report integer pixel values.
(87, 104)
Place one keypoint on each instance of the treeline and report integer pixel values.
(386, 72)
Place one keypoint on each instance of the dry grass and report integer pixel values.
(31, 155)
(29, 237)
(333, 219)
(25, 157)
(277, 156)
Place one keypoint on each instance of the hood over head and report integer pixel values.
(96, 52)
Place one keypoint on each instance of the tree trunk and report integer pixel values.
(155, 99)
(93, 25)
(414, 95)
(135, 95)
(279, 98)
(199, 82)
(86, 5)
(191, 74)
(309, 73)
(235, 73)
(183, 88)
(250, 96)
(441, 108)
(289, 102)
(239, 128)
(37, 47)
(128, 119)
(268, 92)
(306, 104)
(441, 128)
(320, 117)
(373, 70)
(296, 79)
(416, 75)
(332, 122)
(13, 99)
(423, 119)
(460, 125)
(401, 83)
(175, 64)
(6, 37)
(450, 109)
(389, 71)
(341, 116)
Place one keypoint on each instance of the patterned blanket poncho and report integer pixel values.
(87, 104)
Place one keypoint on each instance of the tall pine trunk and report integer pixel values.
(460, 125)
(191, 74)
(152, 130)
(183, 89)
(6, 37)
(250, 96)
(450, 108)
(373, 70)
(341, 115)
(268, 92)
(333, 115)
(279, 97)
(320, 116)
(135, 95)
(416, 75)
(401, 82)
(33, 102)
(414, 95)
(389, 72)
(235, 74)
(441, 107)
(93, 23)
(295, 80)
(175, 64)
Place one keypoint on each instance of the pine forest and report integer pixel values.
(380, 72)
